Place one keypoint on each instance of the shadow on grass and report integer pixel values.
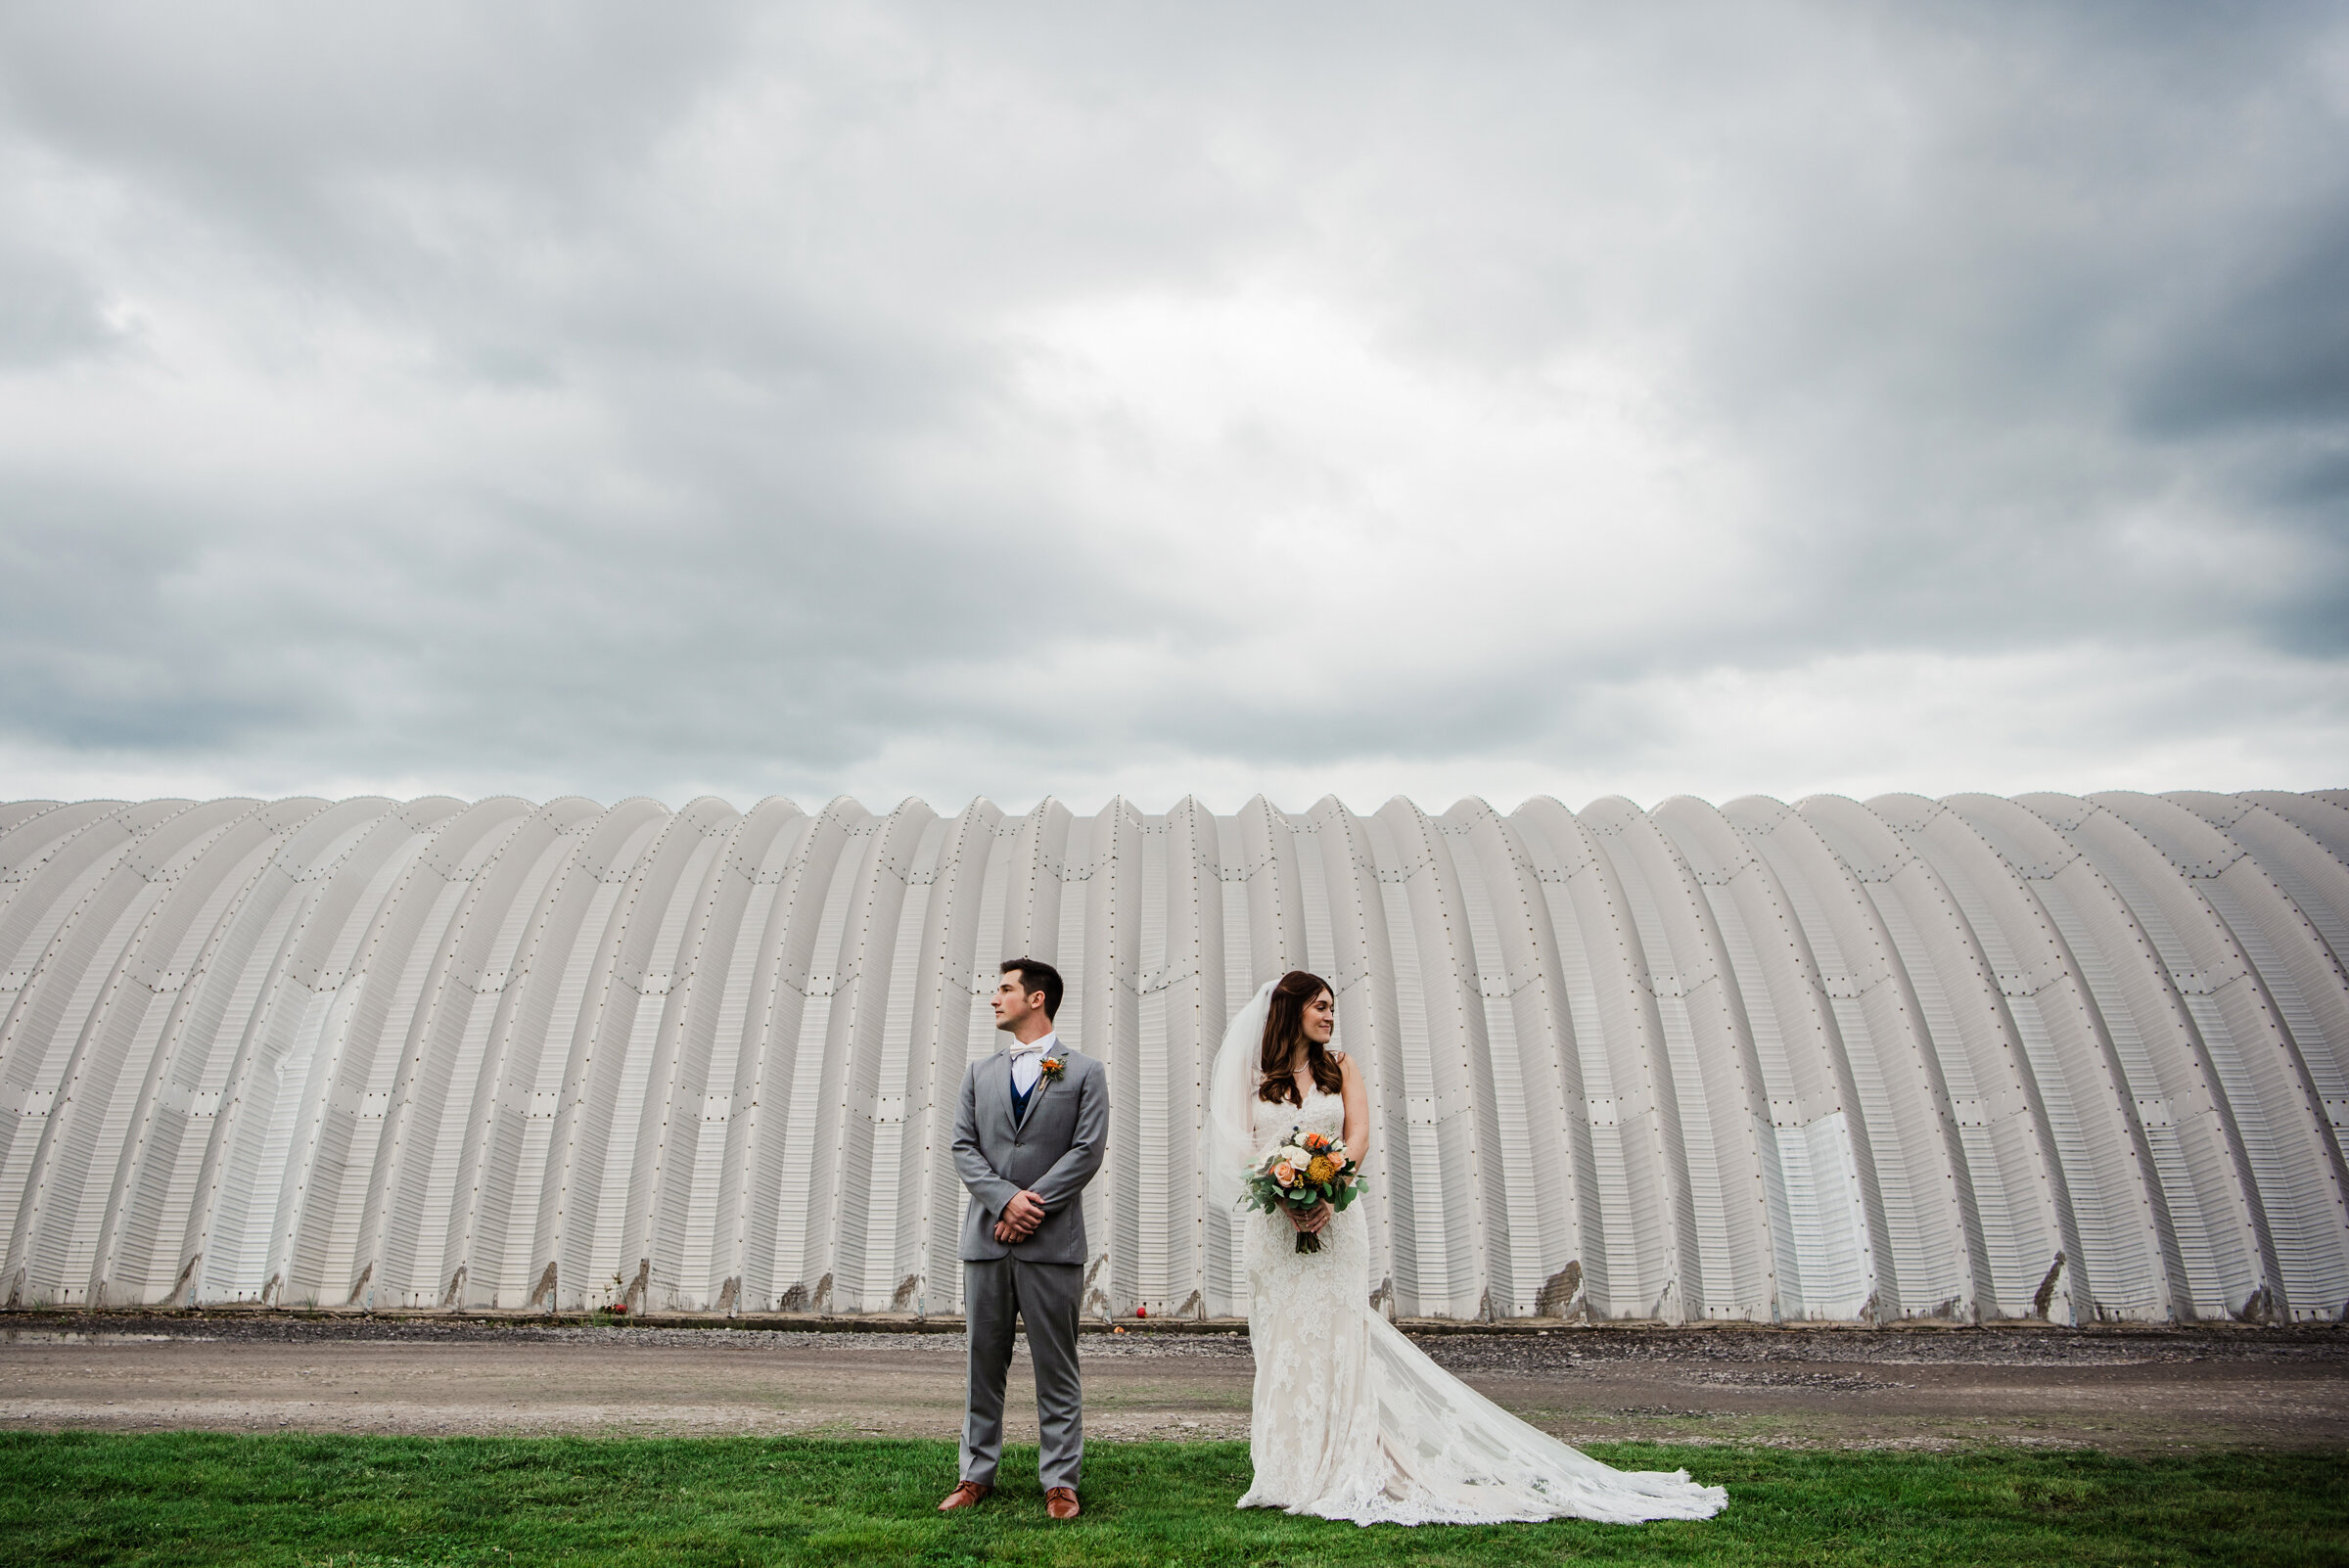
(201, 1498)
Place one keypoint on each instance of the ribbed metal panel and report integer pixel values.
(2049, 1057)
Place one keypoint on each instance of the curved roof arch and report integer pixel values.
(2050, 1058)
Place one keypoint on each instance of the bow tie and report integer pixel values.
(1017, 1051)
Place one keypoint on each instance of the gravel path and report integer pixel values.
(2132, 1390)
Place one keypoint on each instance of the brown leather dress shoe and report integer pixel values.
(1061, 1502)
(965, 1494)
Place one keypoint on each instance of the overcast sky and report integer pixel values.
(1085, 399)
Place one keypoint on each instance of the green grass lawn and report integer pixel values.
(200, 1497)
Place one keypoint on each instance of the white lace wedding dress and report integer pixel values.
(1352, 1422)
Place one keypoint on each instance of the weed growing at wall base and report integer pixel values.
(379, 1501)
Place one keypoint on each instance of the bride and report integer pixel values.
(1351, 1420)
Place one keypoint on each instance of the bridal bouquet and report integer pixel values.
(1307, 1169)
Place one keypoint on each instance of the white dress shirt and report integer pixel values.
(1027, 1061)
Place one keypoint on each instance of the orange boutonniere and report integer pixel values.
(1051, 1066)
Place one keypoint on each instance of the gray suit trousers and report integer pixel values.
(1044, 1296)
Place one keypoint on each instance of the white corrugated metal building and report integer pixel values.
(1967, 1059)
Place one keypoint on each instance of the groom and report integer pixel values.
(1026, 1139)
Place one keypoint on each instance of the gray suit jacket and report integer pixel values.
(1052, 1153)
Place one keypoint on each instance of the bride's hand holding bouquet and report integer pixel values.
(1308, 1177)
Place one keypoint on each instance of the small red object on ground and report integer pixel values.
(618, 1308)
(1142, 1312)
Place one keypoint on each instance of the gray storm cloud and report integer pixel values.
(897, 399)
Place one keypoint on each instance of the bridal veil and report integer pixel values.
(1230, 1094)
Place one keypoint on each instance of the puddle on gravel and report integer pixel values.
(61, 1336)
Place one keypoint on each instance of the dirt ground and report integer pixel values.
(2127, 1390)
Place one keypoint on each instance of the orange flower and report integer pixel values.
(1315, 1142)
(1321, 1169)
(1285, 1174)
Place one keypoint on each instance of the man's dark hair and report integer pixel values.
(1035, 975)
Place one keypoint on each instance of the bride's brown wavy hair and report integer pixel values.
(1284, 1029)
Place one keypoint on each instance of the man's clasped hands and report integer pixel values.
(1021, 1215)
